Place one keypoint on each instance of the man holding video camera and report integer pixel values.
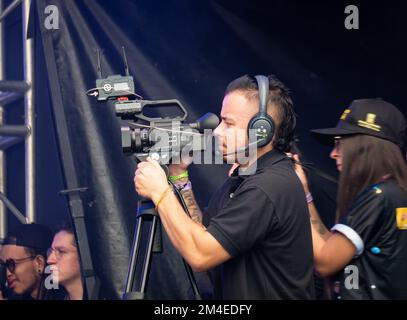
(255, 237)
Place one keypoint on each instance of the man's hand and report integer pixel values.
(1, 296)
(150, 180)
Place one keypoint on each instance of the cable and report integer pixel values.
(95, 93)
(181, 199)
(164, 129)
(309, 166)
(187, 267)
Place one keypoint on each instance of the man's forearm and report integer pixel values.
(179, 227)
(190, 201)
(192, 205)
(198, 247)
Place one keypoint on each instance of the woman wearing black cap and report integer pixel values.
(368, 244)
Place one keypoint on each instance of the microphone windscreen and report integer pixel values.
(207, 121)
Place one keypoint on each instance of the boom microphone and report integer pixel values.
(239, 150)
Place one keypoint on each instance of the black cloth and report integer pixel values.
(262, 221)
(382, 265)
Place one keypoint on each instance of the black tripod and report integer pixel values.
(148, 239)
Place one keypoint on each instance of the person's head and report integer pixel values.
(241, 104)
(64, 258)
(23, 254)
(369, 140)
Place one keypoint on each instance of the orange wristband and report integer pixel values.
(162, 197)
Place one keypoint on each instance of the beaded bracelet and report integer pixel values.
(309, 197)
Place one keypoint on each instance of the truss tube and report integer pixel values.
(3, 210)
(30, 165)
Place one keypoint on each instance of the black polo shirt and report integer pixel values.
(262, 221)
(377, 225)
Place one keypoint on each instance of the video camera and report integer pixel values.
(165, 139)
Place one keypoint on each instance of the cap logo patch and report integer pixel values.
(345, 114)
(401, 217)
(369, 123)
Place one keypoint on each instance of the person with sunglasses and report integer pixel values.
(63, 259)
(367, 247)
(23, 259)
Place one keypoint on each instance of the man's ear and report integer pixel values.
(40, 263)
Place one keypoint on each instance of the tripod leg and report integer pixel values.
(192, 281)
(140, 263)
(139, 266)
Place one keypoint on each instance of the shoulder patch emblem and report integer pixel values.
(401, 217)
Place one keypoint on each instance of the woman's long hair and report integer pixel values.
(365, 161)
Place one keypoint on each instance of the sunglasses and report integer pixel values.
(11, 264)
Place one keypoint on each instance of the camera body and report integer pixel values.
(166, 139)
(162, 138)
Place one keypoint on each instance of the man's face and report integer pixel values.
(236, 113)
(64, 258)
(25, 278)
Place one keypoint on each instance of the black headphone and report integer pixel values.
(262, 122)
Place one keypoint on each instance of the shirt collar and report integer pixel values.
(267, 160)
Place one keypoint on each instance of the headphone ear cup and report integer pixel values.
(264, 129)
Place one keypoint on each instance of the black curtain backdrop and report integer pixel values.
(188, 50)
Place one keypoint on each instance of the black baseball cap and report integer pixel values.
(32, 235)
(374, 117)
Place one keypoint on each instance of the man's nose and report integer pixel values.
(51, 258)
(218, 130)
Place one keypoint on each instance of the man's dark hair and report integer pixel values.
(67, 227)
(280, 99)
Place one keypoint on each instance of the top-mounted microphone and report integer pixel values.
(207, 121)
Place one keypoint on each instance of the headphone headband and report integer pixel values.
(262, 122)
(263, 84)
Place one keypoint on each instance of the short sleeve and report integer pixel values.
(244, 220)
(362, 221)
